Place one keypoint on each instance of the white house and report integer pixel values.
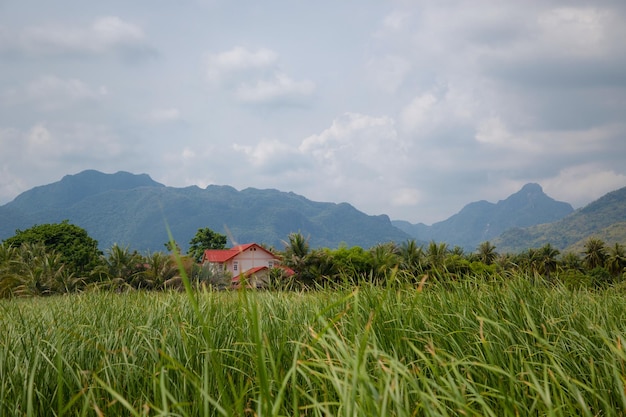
(250, 260)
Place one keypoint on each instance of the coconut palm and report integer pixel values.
(547, 259)
(411, 257)
(297, 256)
(594, 253)
(616, 259)
(436, 255)
(384, 259)
(486, 253)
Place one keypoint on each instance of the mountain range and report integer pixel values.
(133, 210)
(136, 211)
(481, 221)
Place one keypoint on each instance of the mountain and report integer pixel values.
(133, 210)
(604, 218)
(481, 221)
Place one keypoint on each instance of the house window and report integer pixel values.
(270, 264)
(235, 265)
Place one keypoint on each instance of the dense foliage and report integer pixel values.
(35, 262)
(204, 239)
(76, 249)
(501, 347)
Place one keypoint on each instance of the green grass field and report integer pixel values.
(507, 347)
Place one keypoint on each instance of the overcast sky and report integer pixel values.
(406, 108)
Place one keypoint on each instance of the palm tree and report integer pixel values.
(121, 265)
(595, 253)
(159, 268)
(384, 259)
(411, 257)
(436, 255)
(487, 253)
(571, 261)
(297, 257)
(547, 259)
(616, 260)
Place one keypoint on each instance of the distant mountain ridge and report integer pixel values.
(604, 218)
(481, 221)
(132, 210)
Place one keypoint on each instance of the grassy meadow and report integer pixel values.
(504, 347)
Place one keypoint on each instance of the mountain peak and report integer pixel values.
(532, 187)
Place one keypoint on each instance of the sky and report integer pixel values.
(406, 108)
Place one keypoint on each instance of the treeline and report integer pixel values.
(62, 258)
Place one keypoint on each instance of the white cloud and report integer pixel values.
(279, 88)
(105, 34)
(50, 92)
(580, 184)
(226, 65)
(419, 112)
(359, 155)
(165, 115)
(574, 31)
(255, 77)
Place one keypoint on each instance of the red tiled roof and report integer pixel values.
(250, 272)
(223, 255)
(219, 255)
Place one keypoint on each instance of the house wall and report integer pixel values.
(250, 258)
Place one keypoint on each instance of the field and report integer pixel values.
(507, 347)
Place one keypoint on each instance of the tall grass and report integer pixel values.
(472, 348)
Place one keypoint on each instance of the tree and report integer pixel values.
(297, 256)
(487, 253)
(547, 259)
(412, 257)
(595, 253)
(436, 254)
(77, 250)
(204, 239)
(616, 260)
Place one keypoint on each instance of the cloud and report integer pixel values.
(37, 154)
(106, 34)
(580, 184)
(229, 64)
(164, 115)
(278, 89)
(358, 154)
(255, 77)
(50, 92)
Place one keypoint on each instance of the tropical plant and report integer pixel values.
(486, 253)
(546, 258)
(78, 251)
(436, 254)
(411, 257)
(204, 239)
(616, 260)
(594, 253)
(297, 257)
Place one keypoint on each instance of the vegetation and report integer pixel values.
(502, 347)
(204, 239)
(390, 330)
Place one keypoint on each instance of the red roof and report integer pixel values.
(250, 272)
(223, 255)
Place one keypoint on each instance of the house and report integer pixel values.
(249, 260)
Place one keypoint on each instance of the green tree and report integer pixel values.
(616, 260)
(547, 259)
(204, 239)
(297, 256)
(436, 254)
(77, 250)
(412, 257)
(486, 253)
(594, 253)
